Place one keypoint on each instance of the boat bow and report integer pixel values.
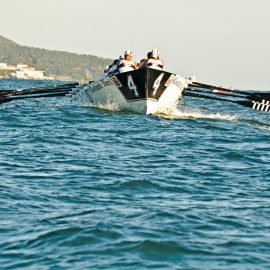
(147, 91)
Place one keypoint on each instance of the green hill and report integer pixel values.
(55, 63)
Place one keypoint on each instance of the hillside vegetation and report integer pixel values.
(55, 63)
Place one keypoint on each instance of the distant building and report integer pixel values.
(19, 66)
(30, 74)
(3, 65)
(23, 71)
(10, 67)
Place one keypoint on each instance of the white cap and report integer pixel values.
(155, 52)
(128, 52)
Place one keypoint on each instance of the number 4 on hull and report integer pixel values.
(132, 86)
(156, 84)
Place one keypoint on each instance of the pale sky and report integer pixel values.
(221, 42)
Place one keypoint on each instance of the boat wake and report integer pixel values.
(169, 114)
(178, 114)
(196, 114)
(110, 106)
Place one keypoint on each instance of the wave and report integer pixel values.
(255, 123)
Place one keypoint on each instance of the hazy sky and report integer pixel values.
(222, 42)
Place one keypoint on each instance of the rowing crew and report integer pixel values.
(126, 63)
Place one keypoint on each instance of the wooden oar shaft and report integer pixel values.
(192, 94)
(35, 92)
(257, 96)
(12, 98)
(45, 88)
(213, 87)
(210, 91)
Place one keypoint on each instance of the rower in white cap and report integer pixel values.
(154, 60)
(127, 64)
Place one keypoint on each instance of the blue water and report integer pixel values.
(85, 188)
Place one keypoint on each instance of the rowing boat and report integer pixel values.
(146, 91)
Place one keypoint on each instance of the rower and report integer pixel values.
(127, 64)
(154, 61)
(105, 72)
(143, 62)
(115, 66)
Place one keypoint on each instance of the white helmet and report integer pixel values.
(128, 52)
(155, 53)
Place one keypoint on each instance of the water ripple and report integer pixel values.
(87, 188)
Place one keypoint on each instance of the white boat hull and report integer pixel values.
(145, 91)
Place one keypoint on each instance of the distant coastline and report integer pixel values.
(58, 65)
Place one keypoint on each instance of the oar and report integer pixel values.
(48, 87)
(256, 97)
(210, 91)
(34, 92)
(12, 98)
(221, 90)
(263, 105)
(213, 87)
(37, 89)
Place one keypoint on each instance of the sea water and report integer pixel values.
(88, 188)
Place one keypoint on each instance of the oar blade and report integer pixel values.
(262, 105)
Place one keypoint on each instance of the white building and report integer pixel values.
(10, 67)
(3, 65)
(30, 74)
(20, 66)
(22, 71)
